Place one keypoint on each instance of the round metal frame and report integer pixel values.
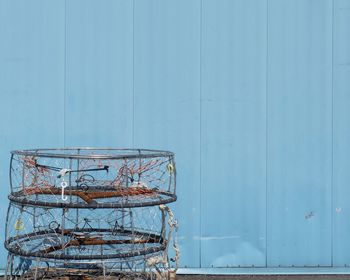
(92, 178)
(152, 267)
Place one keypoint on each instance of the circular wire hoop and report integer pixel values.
(136, 268)
(87, 234)
(92, 178)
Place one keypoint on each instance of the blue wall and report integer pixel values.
(253, 96)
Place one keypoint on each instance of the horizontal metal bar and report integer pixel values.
(52, 153)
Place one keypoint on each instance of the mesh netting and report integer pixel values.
(73, 178)
(136, 268)
(91, 213)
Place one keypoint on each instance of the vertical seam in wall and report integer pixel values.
(266, 124)
(332, 145)
(200, 132)
(133, 73)
(65, 73)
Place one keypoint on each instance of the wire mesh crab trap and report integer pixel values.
(95, 212)
(92, 178)
(131, 268)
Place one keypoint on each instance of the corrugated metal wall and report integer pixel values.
(252, 95)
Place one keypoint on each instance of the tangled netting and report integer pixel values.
(91, 213)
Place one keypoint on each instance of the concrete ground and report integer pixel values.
(260, 277)
(263, 277)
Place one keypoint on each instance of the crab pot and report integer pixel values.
(135, 268)
(86, 213)
(92, 178)
(85, 234)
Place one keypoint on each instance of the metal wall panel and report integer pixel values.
(341, 132)
(166, 101)
(299, 225)
(31, 83)
(252, 95)
(99, 77)
(233, 133)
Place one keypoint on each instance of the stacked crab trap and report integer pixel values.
(87, 213)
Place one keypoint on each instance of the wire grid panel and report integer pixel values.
(78, 234)
(92, 178)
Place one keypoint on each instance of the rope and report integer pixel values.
(173, 224)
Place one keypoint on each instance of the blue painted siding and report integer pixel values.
(251, 95)
(99, 80)
(166, 100)
(299, 135)
(341, 131)
(233, 133)
(31, 83)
